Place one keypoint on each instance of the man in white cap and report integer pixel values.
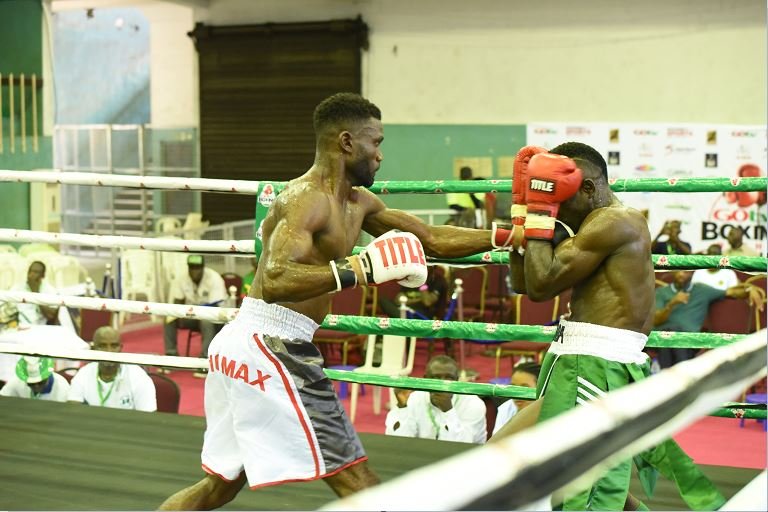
(36, 379)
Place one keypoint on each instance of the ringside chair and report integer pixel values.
(349, 301)
(167, 392)
(397, 355)
(528, 312)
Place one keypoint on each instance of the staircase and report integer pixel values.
(132, 214)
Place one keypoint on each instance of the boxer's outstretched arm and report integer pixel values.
(549, 271)
(291, 272)
(438, 241)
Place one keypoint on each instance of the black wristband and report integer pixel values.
(344, 274)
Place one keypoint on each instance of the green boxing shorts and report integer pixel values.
(586, 361)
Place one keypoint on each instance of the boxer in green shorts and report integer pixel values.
(608, 265)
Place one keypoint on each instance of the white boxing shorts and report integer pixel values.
(269, 408)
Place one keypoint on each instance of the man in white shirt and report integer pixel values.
(32, 314)
(720, 278)
(36, 379)
(106, 384)
(442, 416)
(201, 286)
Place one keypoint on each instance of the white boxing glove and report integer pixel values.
(394, 256)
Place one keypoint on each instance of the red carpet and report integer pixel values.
(711, 441)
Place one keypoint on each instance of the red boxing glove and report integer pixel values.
(552, 179)
(519, 178)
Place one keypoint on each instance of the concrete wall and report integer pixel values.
(519, 61)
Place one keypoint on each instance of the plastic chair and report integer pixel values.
(27, 250)
(167, 393)
(194, 226)
(167, 224)
(64, 271)
(172, 265)
(528, 312)
(350, 301)
(397, 355)
(13, 270)
(138, 276)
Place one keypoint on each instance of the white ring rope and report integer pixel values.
(55, 352)
(456, 482)
(130, 242)
(122, 180)
(210, 313)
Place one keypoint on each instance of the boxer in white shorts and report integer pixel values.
(272, 415)
(279, 417)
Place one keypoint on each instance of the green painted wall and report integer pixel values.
(427, 152)
(21, 51)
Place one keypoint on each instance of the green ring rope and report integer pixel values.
(501, 333)
(686, 185)
(729, 410)
(660, 261)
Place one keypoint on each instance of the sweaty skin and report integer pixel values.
(318, 218)
(607, 263)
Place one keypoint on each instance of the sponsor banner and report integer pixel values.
(678, 150)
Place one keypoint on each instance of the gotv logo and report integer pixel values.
(645, 133)
(645, 168)
(542, 185)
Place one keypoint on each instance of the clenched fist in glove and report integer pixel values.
(519, 209)
(552, 179)
(394, 256)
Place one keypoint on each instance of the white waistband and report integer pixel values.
(609, 343)
(273, 317)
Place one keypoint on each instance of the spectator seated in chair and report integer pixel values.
(201, 286)
(439, 415)
(32, 314)
(115, 385)
(36, 379)
(682, 306)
